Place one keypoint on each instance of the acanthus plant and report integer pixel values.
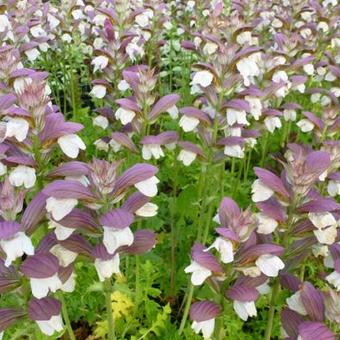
(295, 222)
(31, 129)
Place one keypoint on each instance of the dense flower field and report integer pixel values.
(169, 169)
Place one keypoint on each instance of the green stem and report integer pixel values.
(264, 148)
(109, 311)
(186, 308)
(66, 316)
(275, 292)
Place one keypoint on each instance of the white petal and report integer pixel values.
(327, 235)
(294, 302)
(101, 121)
(188, 123)
(23, 175)
(203, 78)
(148, 187)
(65, 256)
(147, 210)
(305, 125)
(125, 116)
(322, 220)
(187, 157)
(48, 327)
(269, 265)
(260, 192)
(69, 285)
(105, 269)
(98, 91)
(225, 248)
(334, 279)
(245, 309)
(18, 128)
(61, 207)
(16, 247)
(233, 151)
(115, 238)
(41, 287)
(333, 188)
(266, 224)
(199, 273)
(207, 328)
(71, 144)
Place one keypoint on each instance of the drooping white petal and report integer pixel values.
(305, 125)
(101, 121)
(207, 327)
(3, 169)
(148, 187)
(22, 175)
(327, 235)
(272, 123)
(294, 302)
(124, 115)
(41, 287)
(203, 78)
(225, 248)
(98, 91)
(115, 238)
(48, 327)
(334, 279)
(236, 116)
(188, 123)
(16, 247)
(100, 63)
(60, 207)
(65, 256)
(322, 220)
(152, 150)
(18, 128)
(245, 309)
(70, 284)
(333, 188)
(71, 144)
(199, 273)
(105, 269)
(186, 157)
(269, 265)
(233, 151)
(266, 224)
(252, 271)
(173, 112)
(260, 192)
(147, 210)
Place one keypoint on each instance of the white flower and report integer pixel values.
(333, 188)
(41, 287)
(266, 224)
(22, 175)
(152, 150)
(188, 123)
(207, 327)
(71, 144)
(334, 279)
(248, 69)
(16, 246)
(20, 83)
(264, 288)
(245, 309)
(3, 169)
(279, 77)
(260, 192)
(114, 238)
(100, 63)
(186, 157)
(309, 69)
(234, 151)
(255, 106)
(305, 125)
(65, 256)
(272, 123)
(225, 248)
(269, 265)
(53, 21)
(210, 48)
(252, 271)
(147, 210)
(199, 273)
(133, 50)
(105, 268)
(101, 121)
(236, 116)
(148, 187)
(123, 85)
(70, 284)
(4, 23)
(18, 128)
(124, 115)
(327, 235)
(322, 220)
(173, 112)
(54, 324)
(32, 54)
(203, 78)
(294, 302)
(289, 115)
(98, 91)
(66, 37)
(115, 145)
(60, 207)
(244, 37)
(37, 31)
